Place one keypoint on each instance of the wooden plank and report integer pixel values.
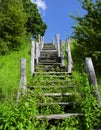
(48, 51)
(48, 87)
(51, 72)
(55, 94)
(54, 81)
(58, 116)
(58, 103)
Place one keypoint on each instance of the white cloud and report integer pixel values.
(41, 4)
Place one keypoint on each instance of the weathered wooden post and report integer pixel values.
(32, 57)
(39, 38)
(22, 86)
(53, 41)
(39, 41)
(92, 77)
(37, 52)
(62, 52)
(42, 42)
(58, 44)
(68, 50)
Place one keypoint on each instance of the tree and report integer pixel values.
(12, 25)
(34, 23)
(88, 32)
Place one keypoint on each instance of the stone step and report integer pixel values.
(58, 116)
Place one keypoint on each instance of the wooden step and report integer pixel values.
(48, 54)
(48, 48)
(53, 81)
(45, 87)
(49, 63)
(55, 94)
(59, 103)
(58, 116)
(48, 57)
(48, 51)
(52, 73)
(48, 60)
(50, 87)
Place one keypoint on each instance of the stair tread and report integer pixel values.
(58, 116)
(55, 103)
(70, 86)
(55, 94)
(54, 72)
(49, 63)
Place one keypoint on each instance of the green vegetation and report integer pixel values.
(87, 33)
(20, 115)
(17, 20)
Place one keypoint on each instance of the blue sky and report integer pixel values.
(56, 14)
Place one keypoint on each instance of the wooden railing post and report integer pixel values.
(32, 57)
(22, 86)
(42, 42)
(37, 52)
(68, 50)
(58, 44)
(62, 52)
(39, 41)
(53, 41)
(92, 77)
(39, 38)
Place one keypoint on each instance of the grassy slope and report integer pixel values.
(10, 71)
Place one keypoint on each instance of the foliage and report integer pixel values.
(87, 32)
(18, 18)
(88, 103)
(34, 23)
(12, 25)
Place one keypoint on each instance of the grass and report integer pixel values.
(10, 72)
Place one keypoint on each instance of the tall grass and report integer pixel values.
(10, 71)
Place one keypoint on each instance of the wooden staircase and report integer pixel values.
(55, 88)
